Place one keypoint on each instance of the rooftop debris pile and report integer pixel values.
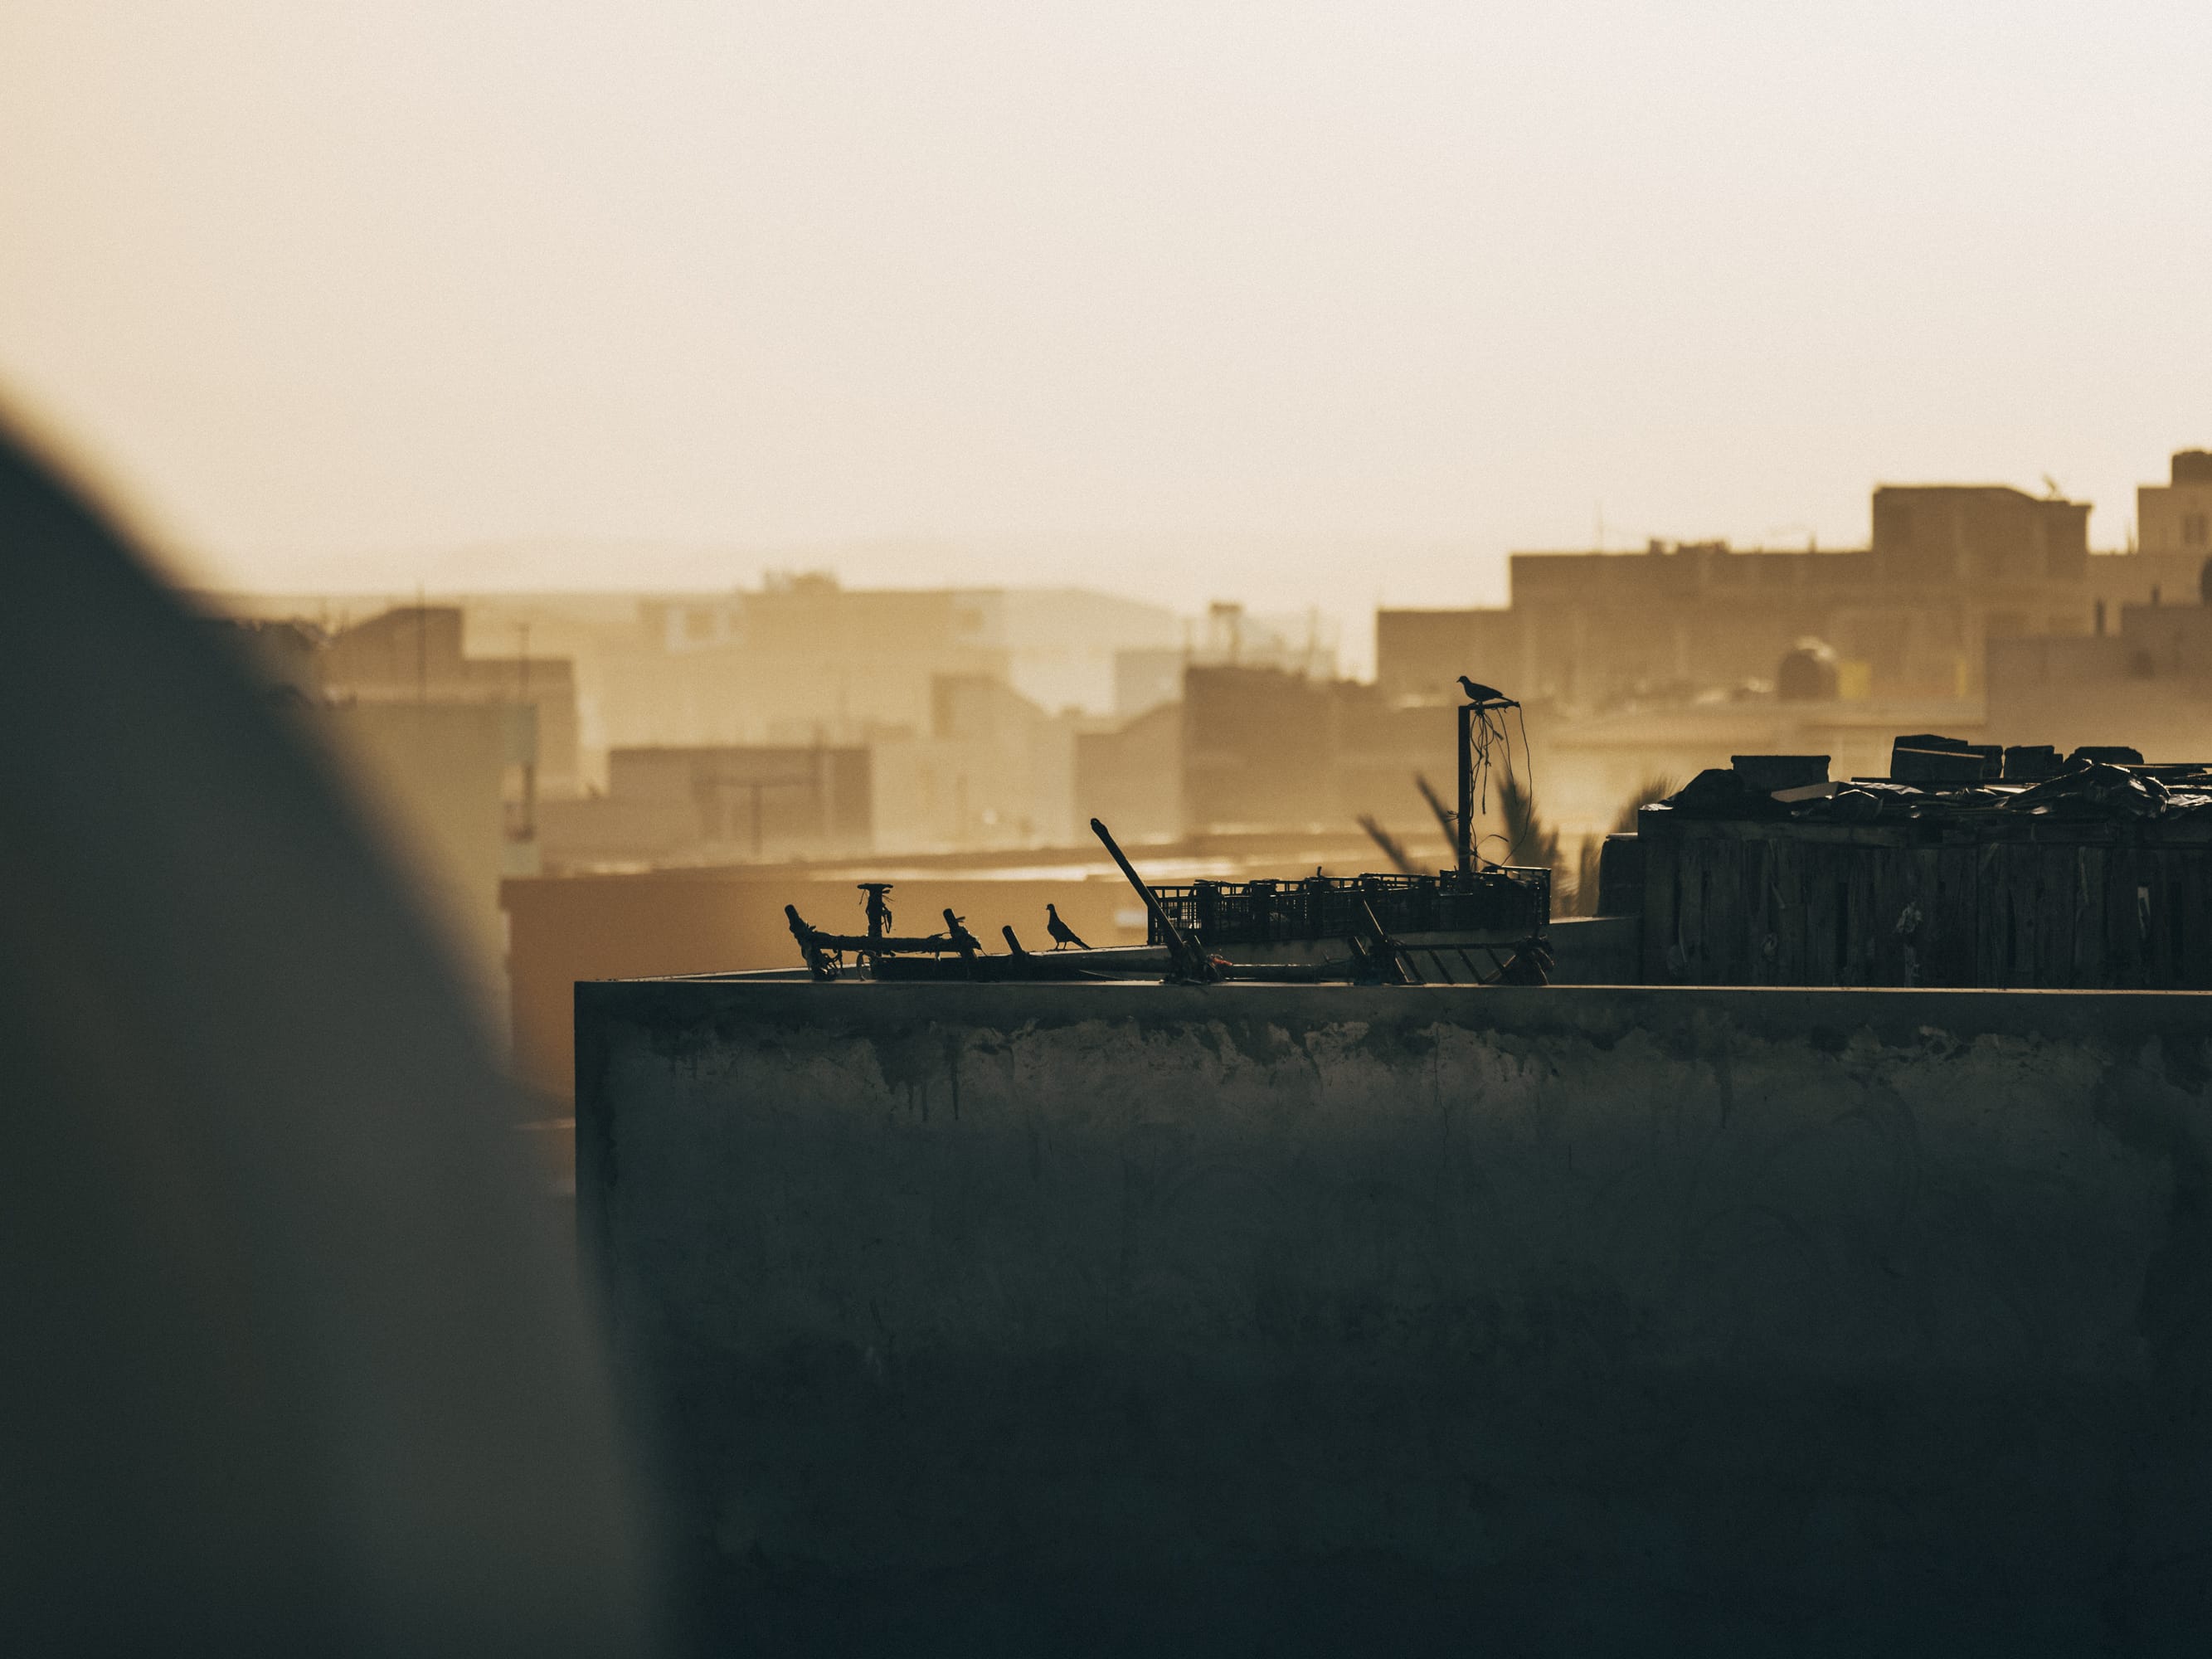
(1970, 865)
(1928, 783)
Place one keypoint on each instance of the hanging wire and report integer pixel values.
(1493, 744)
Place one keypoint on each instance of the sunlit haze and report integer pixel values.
(993, 827)
(1184, 300)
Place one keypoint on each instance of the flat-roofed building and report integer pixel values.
(1948, 567)
(2176, 517)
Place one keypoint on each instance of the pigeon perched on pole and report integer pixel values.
(1062, 934)
(1484, 697)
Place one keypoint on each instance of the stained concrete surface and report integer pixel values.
(1259, 1319)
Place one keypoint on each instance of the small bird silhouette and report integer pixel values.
(1488, 696)
(1061, 933)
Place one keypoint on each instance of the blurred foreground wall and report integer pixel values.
(1289, 1319)
(296, 1358)
(428, 778)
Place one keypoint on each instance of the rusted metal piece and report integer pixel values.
(879, 911)
(821, 960)
(821, 950)
(1191, 964)
(1384, 954)
(966, 943)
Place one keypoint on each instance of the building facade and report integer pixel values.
(1947, 568)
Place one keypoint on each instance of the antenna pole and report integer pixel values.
(1466, 825)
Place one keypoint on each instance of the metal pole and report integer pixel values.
(1467, 788)
(1188, 959)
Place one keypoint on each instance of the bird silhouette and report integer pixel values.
(1061, 933)
(1487, 696)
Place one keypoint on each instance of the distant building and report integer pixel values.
(416, 652)
(2147, 684)
(717, 803)
(1063, 644)
(804, 657)
(991, 768)
(1229, 637)
(1147, 678)
(1129, 775)
(1949, 568)
(2143, 674)
(2176, 517)
(1266, 747)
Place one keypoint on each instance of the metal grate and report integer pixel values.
(1503, 899)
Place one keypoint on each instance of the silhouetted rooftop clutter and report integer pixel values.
(1970, 863)
(1934, 777)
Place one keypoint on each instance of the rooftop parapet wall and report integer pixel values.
(1271, 1318)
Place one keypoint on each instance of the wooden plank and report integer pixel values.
(1920, 873)
(1908, 873)
(2007, 901)
(1822, 864)
(1950, 955)
(1864, 923)
(1836, 889)
(2025, 909)
(2092, 954)
(1758, 908)
(1712, 912)
(1662, 860)
(2180, 873)
(2054, 916)
(1728, 960)
(1877, 954)
(1787, 872)
(1993, 907)
(2197, 921)
(2148, 931)
(2123, 939)
(1894, 957)
(2166, 898)
(1690, 912)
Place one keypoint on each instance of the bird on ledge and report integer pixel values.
(1061, 933)
(1484, 697)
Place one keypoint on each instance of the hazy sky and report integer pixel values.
(991, 291)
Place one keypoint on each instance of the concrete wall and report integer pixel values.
(1597, 951)
(1273, 1319)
